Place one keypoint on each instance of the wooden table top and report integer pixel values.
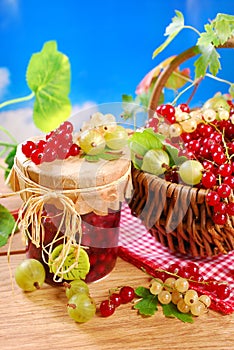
(39, 320)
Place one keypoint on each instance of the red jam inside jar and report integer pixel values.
(99, 237)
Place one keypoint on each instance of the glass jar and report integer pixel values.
(100, 235)
(93, 191)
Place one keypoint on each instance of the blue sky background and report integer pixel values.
(109, 43)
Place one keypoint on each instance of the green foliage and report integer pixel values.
(143, 141)
(9, 160)
(170, 310)
(147, 305)
(172, 30)
(216, 33)
(48, 76)
(107, 155)
(7, 223)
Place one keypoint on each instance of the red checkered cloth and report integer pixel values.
(138, 247)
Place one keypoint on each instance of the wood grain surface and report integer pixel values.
(39, 320)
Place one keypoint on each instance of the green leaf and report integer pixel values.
(223, 27)
(7, 223)
(170, 310)
(177, 23)
(208, 37)
(147, 305)
(48, 76)
(209, 59)
(173, 153)
(146, 140)
(127, 98)
(171, 31)
(110, 155)
(94, 158)
(9, 160)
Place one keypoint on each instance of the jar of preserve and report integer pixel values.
(72, 205)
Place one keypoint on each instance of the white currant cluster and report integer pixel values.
(177, 291)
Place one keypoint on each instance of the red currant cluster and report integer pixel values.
(191, 272)
(125, 295)
(58, 144)
(205, 135)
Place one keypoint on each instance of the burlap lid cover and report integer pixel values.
(92, 186)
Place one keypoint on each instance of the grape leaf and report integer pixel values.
(170, 310)
(209, 58)
(7, 223)
(48, 76)
(223, 26)
(147, 305)
(172, 31)
(222, 31)
(208, 37)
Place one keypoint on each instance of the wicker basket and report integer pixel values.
(177, 215)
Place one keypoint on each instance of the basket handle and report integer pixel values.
(176, 62)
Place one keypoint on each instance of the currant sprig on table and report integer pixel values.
(175, 290)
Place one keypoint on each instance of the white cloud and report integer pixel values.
(4, 80)
(19, 123)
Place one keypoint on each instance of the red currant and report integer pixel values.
(212, 198)
(225, 169)
(168, 112)
(41, 145)
(175, 268)
(220, 218)
(208, 179)
(74, 150)
(224, 190)
(184, 107)
(116, 299)
(220, 208)
(208, 165)
(230, 208)
(127, 294)
(223, 291)
(192, 269)
(107, 308)
(36, 157)
(67, 127)
(219, 157)
(28, 147)
(205, 130)
(229, 180)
